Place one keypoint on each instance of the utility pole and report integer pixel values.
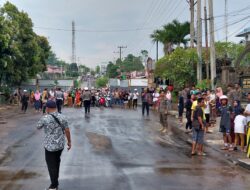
(120, 50)
(199, 41)
(191, 3)
(212, 47)
(206, 37)
(157, 50)
(226, 20)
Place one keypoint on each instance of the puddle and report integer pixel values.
(197, 171)
(99, 142)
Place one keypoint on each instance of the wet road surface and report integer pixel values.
(113, 150)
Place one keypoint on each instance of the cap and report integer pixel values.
(86, 88)
(24, 90)
(135, 89)
(51, 104)
(223, 97)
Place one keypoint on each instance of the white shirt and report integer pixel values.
(211, 97)
(135, 96)
(240, 122)
(248, 110)
(207, 108)
(156, 96)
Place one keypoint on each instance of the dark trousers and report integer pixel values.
(53, 160)
(44, 107)
(145, 105)
(189, 121)
(59, 103)
(24, 106)
(134, 103)
(87, 106)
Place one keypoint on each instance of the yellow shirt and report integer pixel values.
(194, 104)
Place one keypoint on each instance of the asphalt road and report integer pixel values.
(113, 149)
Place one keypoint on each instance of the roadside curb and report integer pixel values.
(245, 163)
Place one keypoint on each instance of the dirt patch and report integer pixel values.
(20, 175)
(99, 142)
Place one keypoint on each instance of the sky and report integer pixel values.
(103, 25)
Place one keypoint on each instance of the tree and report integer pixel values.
(131, 63)
(172, 34)
(112, 70)
(178, 67)
(102, 82)
(97, 69)
(23, 53)
(72, 70)
(230, 50)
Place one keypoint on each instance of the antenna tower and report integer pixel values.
(73, 43)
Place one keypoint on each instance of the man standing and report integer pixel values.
(59, 99)
(55, 128)
(135, 98)
(24, 101)
(145, 97)
(86, 98)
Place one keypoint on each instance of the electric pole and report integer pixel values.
(120, 50)
(226, 20)
(199, 41)
(157, 50)
(206, 37)
(212, 47)
(191, 3)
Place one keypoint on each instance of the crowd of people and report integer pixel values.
(201, 108)
(204, 106)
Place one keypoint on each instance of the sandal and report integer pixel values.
(202, 154)
(224, 148)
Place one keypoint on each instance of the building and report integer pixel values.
(103, 68)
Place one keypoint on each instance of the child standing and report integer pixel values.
(225, 124)
(240, 123)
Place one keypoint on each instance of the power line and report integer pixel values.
(93, 31)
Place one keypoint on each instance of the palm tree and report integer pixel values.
(172, 34)
(178, 31)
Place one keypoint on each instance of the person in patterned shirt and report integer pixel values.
(55, 127)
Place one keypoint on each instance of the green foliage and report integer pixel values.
(84, 69)
(130, 63)
(23, 53)
(92, 72)
(232, 50)
(101, 82)
(72, 70)
(203, 84)
(172, 34)
(76, 84)
(112, 70)
(97, 69)
(178, 67)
